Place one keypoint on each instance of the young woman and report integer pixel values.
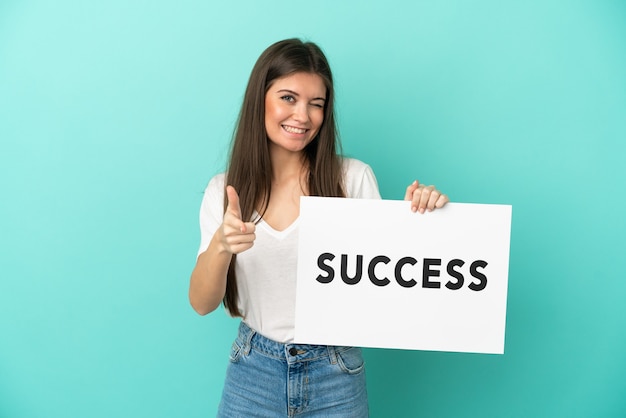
(285, 146)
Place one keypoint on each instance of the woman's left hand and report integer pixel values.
(424, 198)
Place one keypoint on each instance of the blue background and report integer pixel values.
(115, 114)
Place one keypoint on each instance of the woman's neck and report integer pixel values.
(289, 182)
(287, 167)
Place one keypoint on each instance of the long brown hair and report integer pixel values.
(250, 167)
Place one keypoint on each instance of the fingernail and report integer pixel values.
(414, 208)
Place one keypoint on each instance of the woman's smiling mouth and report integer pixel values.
(293, 129)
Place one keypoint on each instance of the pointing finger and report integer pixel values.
(233, 202)
(234, 208)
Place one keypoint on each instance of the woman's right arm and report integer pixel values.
(208, 279)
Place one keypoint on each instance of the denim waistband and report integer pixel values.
(292, 353)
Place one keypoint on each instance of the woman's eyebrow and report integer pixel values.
(296, 94)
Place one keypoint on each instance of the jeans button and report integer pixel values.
(293, 351)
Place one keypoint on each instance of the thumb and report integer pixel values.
(233, 202)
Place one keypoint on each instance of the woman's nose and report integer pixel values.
(301, 112)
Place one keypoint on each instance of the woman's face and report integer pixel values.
(294, 111)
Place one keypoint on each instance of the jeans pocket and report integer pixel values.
(350, 359)
(235, 352)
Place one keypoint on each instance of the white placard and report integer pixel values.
(433, 281)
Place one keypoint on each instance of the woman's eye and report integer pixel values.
(288, 98)
(318, 105)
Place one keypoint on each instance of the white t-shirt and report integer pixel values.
(266, 273)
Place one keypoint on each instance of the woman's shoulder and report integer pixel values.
(352, 166)
(359, 179)
(217, 181)
(214, 191)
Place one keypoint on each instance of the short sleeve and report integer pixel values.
(360, 180)
(211, 211)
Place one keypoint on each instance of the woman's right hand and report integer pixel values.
(236, 236)
(208, 279)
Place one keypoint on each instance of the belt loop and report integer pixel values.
(332, 353)
(248, 341)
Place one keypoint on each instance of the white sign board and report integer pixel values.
(371, 273)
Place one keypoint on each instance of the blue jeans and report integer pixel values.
(269, 379)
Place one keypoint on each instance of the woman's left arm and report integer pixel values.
(424, 198)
